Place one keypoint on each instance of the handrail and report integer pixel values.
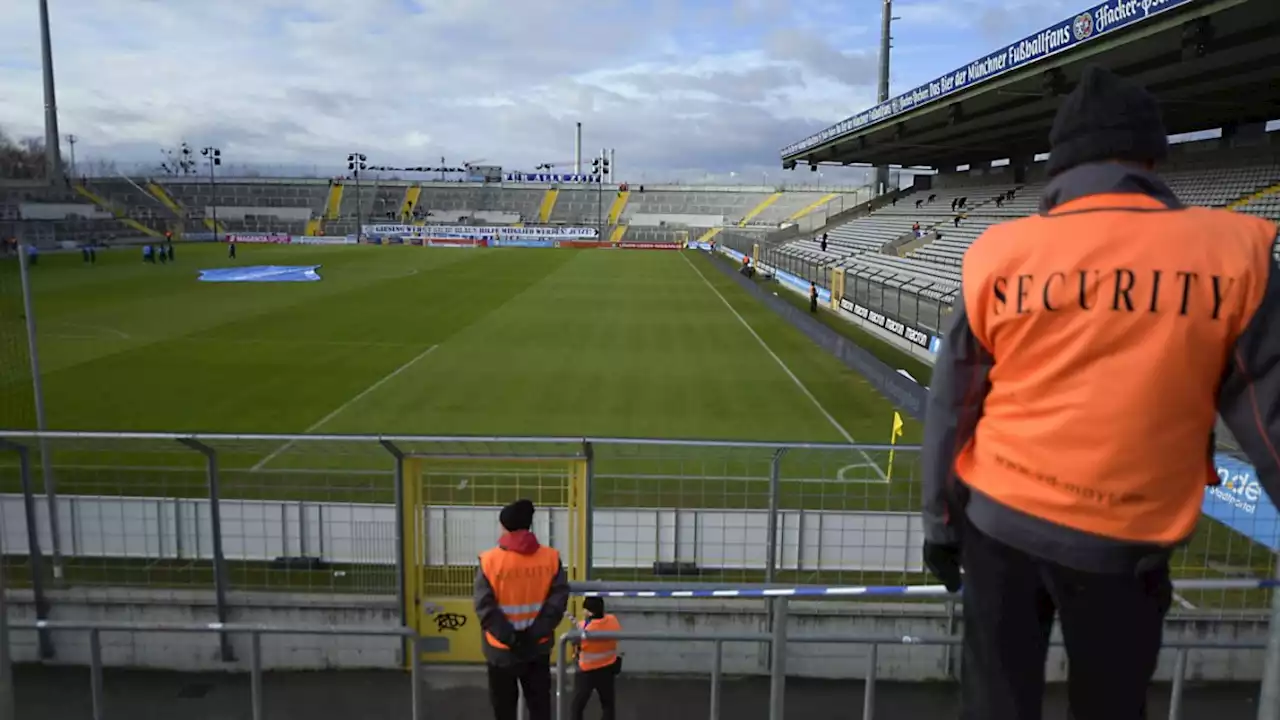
(255, 632)
(778, 638)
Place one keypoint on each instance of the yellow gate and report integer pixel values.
(451, 510)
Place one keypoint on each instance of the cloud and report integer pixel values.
(679, 89)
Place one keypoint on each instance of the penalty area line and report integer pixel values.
(831, 419)
(324, 420)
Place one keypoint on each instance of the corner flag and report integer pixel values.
(893, 440)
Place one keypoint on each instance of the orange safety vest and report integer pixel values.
(520, 583)
(1149, 302)
(597, 653)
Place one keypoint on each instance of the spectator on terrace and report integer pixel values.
(915, 227)
(932, 197)
(963, 201)
(919, 203)
(824, 242)
(999, 201)
(957, 219)
(953, 204)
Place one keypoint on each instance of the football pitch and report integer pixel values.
(411, 340)
(404, 340)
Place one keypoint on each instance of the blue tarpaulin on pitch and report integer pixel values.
(262, 273)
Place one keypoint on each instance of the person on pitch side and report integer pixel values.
(598, 662)
(521, 592)
(813, 297)
(1068, 433)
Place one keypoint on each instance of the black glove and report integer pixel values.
(522, 645)
(944, 562)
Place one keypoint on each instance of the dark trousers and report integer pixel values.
(1111, 624)
(505, 683)
(595, 681)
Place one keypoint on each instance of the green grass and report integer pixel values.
(521, 342)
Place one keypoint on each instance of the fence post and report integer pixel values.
(255, 675)
(771, 542)
(588, 532)
(1179, 680)
(1269, 697)
(778, 666)
(716, 669)
(869, 689)
(95, 674)
(401, 589)
(46, 464)
(35, 559)
(416, 701)
(219, 559)
(8, 709)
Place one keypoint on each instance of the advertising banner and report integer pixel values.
(897, 327)
(276, 238)
(551, 178)
(1101, 19)
(482, 231)
(1241, 504)
(650, 246)
(522, 243)
(452, 242)
(313, 240)
(798, 284)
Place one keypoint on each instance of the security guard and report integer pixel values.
(1068, 439)
(521, 592)
(598, 661)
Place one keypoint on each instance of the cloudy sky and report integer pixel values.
(681, 89)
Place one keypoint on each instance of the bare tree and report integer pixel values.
(22, 159)
(179, 161)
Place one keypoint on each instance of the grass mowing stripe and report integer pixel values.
(320, 423)
(839, 428)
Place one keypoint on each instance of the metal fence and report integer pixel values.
(305, 513)
(777, 638)
(95, 631)
(321, 514)
(911, 301)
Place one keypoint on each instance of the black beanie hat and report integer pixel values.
(517, 516)
(594, 605)
(1106, 118)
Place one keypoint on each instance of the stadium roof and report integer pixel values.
(1210, 62)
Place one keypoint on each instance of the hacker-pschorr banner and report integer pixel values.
(896, 327)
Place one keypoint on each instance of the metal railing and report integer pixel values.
(322, 513)
(778, 640)
(255, 633)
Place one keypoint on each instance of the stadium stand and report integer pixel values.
(301, 206)
(931, 265)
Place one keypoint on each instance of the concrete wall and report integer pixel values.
(896, 662)
(690, 617)
(193, 652)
